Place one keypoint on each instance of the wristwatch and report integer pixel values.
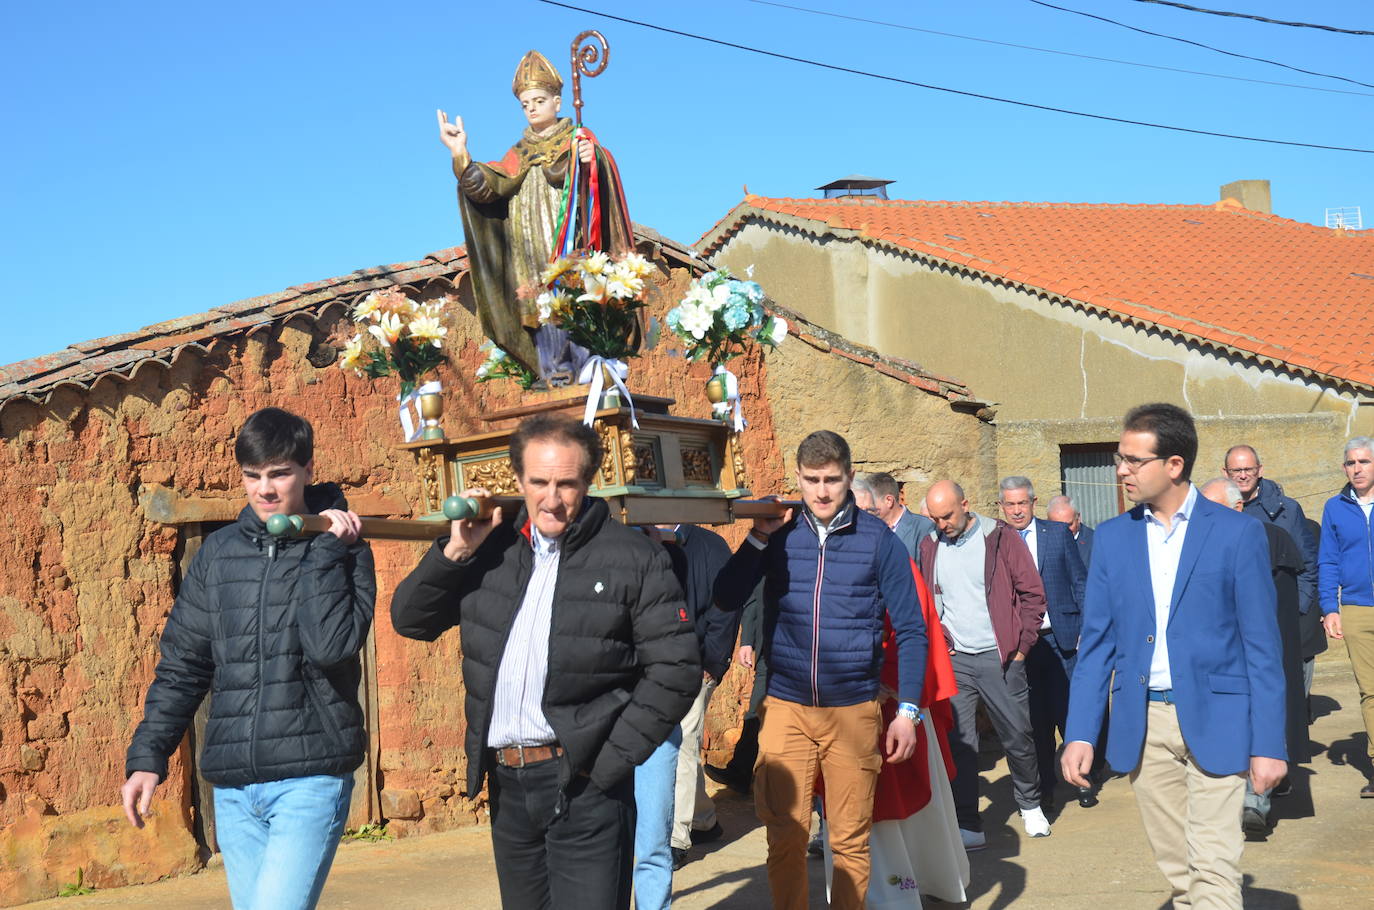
(909, 711)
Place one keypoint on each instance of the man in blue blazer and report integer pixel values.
(1049, 665)
(1179, 621)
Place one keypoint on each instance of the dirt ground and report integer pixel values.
(1319, 857)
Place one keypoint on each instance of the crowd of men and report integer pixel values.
(590, 651)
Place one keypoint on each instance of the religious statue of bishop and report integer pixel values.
(510, 212)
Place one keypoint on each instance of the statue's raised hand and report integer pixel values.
(452, 135)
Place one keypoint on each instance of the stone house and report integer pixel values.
(116, 458)
(1066, 315)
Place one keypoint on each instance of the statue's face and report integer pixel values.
(540, 106)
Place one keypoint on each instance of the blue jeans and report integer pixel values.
(1260, 802)
(278, 838)
(655, 781)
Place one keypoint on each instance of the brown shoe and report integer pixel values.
(1367, 792)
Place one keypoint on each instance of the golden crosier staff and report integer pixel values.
(588, 60)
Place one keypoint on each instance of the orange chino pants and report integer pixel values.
(795, 742)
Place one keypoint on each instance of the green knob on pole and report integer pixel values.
(458, 508)
(284, 525)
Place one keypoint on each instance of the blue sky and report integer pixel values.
(165, 158)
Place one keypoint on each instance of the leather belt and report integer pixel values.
(520, 756)
(1162, 695)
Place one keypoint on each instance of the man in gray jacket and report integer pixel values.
(879, 494)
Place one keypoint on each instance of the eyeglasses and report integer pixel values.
(1242, 472)
(1134, 463)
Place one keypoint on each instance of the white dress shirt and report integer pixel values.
(1165, 547)
(1032, 540)
(517, 713)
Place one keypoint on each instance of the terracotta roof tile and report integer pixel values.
(120, 356)
(1254, 282)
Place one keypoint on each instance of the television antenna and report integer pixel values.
(1347, 217)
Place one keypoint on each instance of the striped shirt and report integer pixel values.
(517, 717)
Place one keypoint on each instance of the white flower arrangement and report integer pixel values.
(406, 338)
(594, 298)
(720, 316)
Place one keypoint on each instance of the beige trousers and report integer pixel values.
(795, 743)
(692, 808)
(1192, 818)
(1357, 625)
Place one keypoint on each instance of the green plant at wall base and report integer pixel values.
(372, 833)
(76, 888)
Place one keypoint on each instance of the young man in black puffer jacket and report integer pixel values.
(272, 629)
(579, 658)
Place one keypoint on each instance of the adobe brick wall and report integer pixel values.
(86, 580)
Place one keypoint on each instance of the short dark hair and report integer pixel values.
(271, 435)
(1173, 428)
(558, 428)
(821, 448)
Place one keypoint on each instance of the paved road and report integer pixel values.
(1314, 860)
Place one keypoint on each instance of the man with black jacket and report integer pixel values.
(274, 627)
(579, 658)
(698, 560)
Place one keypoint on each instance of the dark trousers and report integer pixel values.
(555, 853)
(1048, 671)
(981, 677)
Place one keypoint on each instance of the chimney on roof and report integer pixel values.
(1252, 194)
(856, 185)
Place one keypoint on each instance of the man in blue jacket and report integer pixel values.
(1180, 623)
(1049, 665)
(1346, 575)
(830, 573)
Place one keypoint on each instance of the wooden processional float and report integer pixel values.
(668, 470)
(657, 468)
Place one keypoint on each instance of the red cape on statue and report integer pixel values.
(904, 789)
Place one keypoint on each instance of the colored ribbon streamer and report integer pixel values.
(593, 198)
(593, 374)
(722, 409)
(408, 423)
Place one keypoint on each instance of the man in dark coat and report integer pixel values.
(1286, 565)
(1049, 666)
(1264, 499)
(1063, 508)
(698, 559)
(272, 628)
(579, 659)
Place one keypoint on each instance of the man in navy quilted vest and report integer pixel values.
(830, 574)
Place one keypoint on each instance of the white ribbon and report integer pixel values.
(593, 374)
(408, 423)
(722, 409)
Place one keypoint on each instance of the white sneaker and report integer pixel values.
(1036, 823)
(973, 840)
